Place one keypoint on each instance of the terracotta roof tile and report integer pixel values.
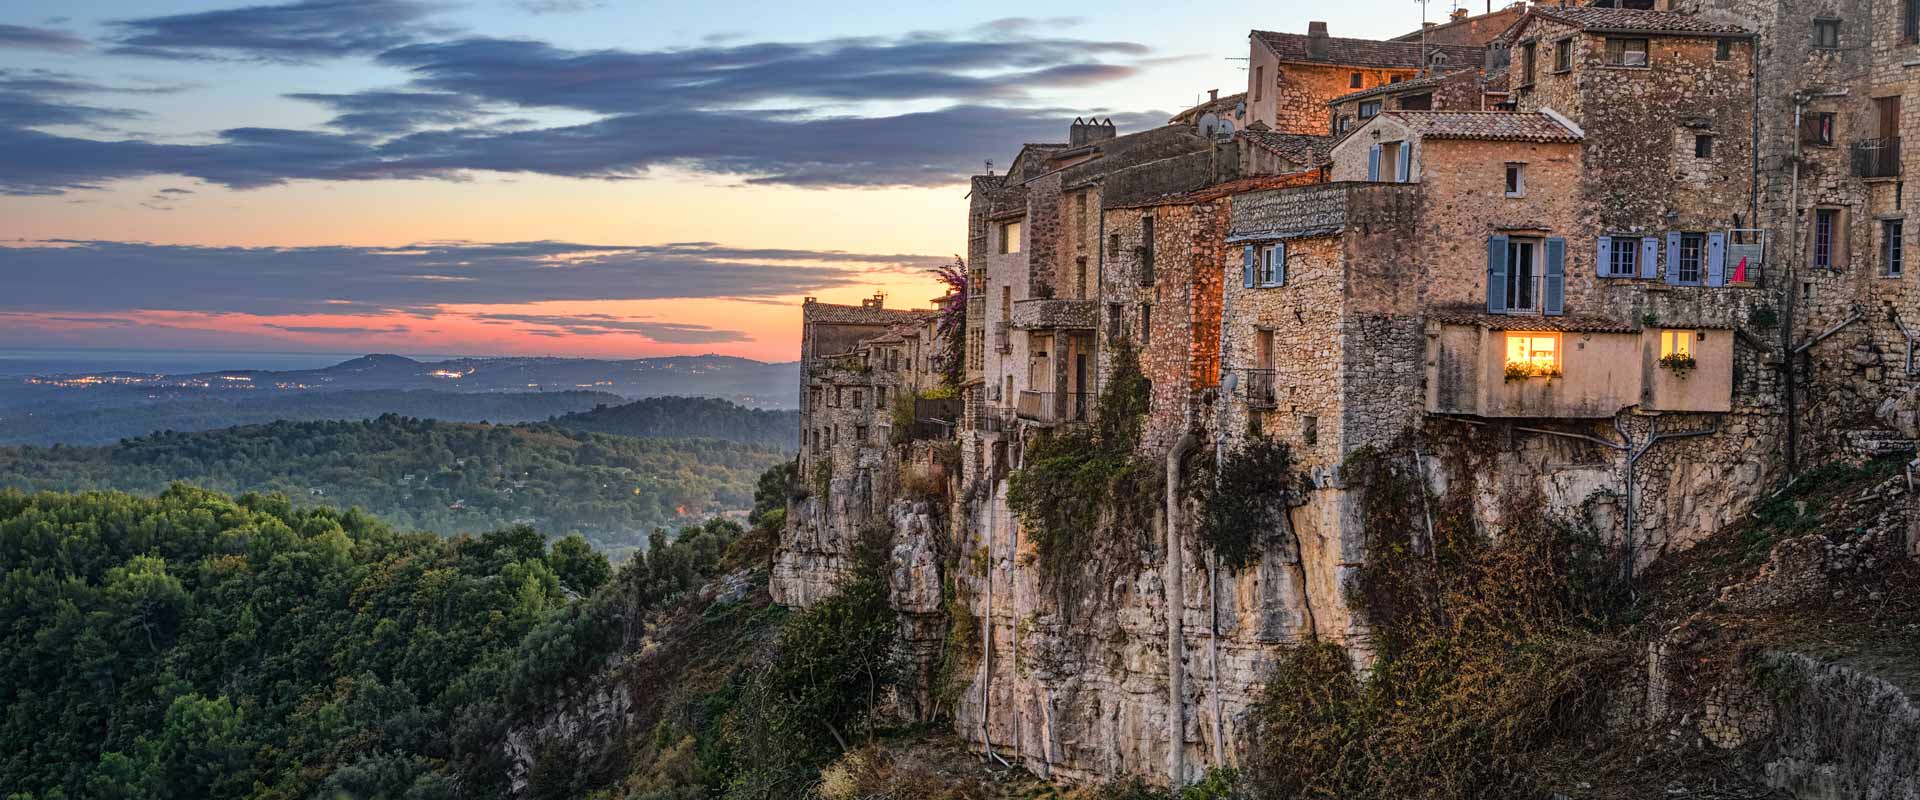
(1391, 88)
(1470, 315)
(1368, 52)
(1499, 126)
(832, 314)
(1630, 20)
(1300, 148)
(1227, 103)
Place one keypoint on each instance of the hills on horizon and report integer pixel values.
(755, 384)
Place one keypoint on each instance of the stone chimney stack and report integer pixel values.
(1089, 130)
(1316, 40)
(1458, 14)
(1213, 95)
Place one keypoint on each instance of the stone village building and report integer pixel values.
(1656, 254)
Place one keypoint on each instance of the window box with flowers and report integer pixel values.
(1676, 352)
(1532, 355)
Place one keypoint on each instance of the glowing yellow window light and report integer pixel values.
(1533, 353)
(1676, 344)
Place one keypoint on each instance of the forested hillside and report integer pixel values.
(93, 426)
(443, 477)
(199, 646)
(674, 417)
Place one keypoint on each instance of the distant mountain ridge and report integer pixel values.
(755, 384)
(208, 411)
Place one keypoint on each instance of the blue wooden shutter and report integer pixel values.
(1650, 258)
(1673, 258)
(1497, 273)
(1556, 280)
(1279, 263)
(1716, 259)
(1405, 172)
(1605, 257)
(1373, 163)
(1246, 267)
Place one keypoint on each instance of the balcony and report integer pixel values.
(1261, 392)
(1052, 407)
(1876, 158)
(1002, 339)
(1055, 314)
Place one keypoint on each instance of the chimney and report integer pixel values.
(1316, 40)
(1458, 14)
(1213, 95)
(1089, 130)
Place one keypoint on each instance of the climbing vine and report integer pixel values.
(1245, 500)
(1078, 481)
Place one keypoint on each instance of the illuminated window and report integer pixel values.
(1676, 344)
(1533, 354)
(1010, 237)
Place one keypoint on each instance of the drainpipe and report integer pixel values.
(1175, 587)
(1227, 385)
(1907, 332)
(986, 636)
(1787, 378)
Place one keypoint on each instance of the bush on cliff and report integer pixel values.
(1484, 650)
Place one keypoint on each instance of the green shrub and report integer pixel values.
(1246, 499)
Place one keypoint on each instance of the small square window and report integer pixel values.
(1826, 34)
(1356, 80)
(1723, 50)
(1817, 128)
(1533, 355)
(1702, 146)
(1370, 109)
(1516, 180)
(1627, 52)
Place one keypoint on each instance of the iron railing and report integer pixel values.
(1260, 389)
(1046, 406)
(1876, 158)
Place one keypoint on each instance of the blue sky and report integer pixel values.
(394, 174)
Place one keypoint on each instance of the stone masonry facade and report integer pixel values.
(1644, 262)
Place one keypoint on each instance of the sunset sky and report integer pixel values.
(563, 177)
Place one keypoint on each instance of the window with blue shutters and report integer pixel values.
(1554, 282)
(1618, 256)
(1247, 256)
(1271, 265)
(1497, 274)
(1650, 258)
(1716, 259)
(1373, 163)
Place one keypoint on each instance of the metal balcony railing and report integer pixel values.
(1260, 389)
(1876, 158)
(1047, 407)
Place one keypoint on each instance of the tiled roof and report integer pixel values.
(1219, 190)
(1498, 82)
(1630, 20)
(1471, 315)
(1300, 148)
(1500, 126)
(1390, 88)
(831, 314)
(1227, 103)
(1367, 52)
